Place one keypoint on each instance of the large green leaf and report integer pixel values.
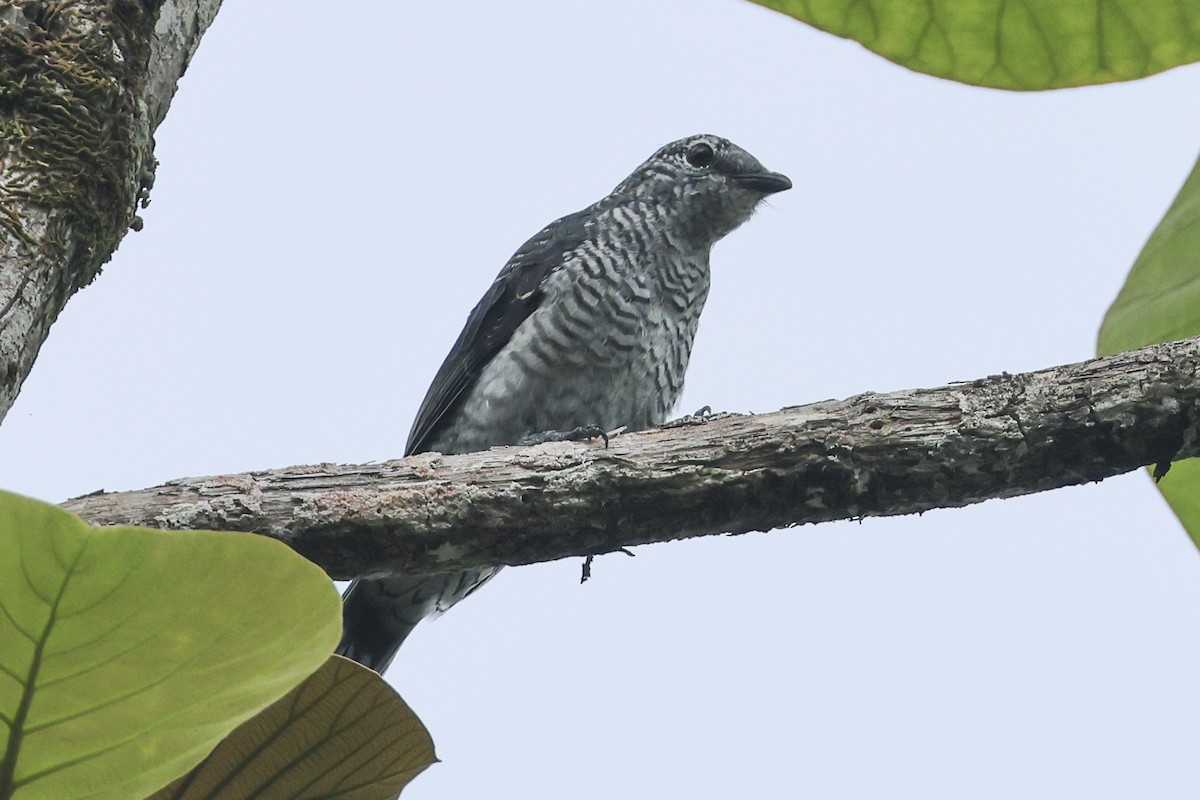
(1160, 302)
(1015, 44)
(126, 654)
(342, 734)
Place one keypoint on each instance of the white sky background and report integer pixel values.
(338, 189)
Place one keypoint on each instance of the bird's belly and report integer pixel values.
(528, 388)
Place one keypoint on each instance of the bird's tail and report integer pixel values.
(376, 619)
(378, 614)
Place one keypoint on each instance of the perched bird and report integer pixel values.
(589, 324)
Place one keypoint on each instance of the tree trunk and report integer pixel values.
(85, 85)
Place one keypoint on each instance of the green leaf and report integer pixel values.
(1160, 302)
(343, 734)
(1020, 44)
(126, 654)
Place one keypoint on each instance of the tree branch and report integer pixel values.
(85, 84)
(869, 455)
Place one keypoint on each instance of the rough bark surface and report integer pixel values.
(869, 455)
(83, 86)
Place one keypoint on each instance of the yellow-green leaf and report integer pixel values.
(1160, 302)
(126, 654)
(1018, 44)
(342, 734)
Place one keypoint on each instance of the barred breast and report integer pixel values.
(608, 345)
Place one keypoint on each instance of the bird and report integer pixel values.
(587, 328)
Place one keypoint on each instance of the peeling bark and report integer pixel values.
(869, 455)
(83, 86)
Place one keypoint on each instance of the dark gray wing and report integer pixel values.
(513, 296)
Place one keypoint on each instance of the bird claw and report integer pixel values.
(699, 417)
(580, 434)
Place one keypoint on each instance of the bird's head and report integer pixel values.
(707, 185)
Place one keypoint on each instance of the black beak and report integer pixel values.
(765, 182)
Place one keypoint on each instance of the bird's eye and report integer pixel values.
(700, 154)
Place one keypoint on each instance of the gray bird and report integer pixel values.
(589, 324)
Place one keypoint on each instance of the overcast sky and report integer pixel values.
(338, 188)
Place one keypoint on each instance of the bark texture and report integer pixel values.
(83, 86)
(869, 455)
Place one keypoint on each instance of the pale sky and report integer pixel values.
(336, 192)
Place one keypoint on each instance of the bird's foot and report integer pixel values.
(698, 417)
(580, 434)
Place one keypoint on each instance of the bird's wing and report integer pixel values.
(513, 296)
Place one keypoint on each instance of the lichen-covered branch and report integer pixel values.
(83, 86)
(869, 455)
